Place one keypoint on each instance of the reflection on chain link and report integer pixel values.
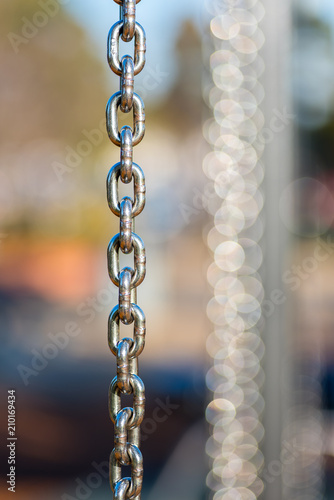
(234, 94)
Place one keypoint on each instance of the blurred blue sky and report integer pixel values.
(161, 19)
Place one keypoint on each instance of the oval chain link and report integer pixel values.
(127, 420)
(113, 48)
(127, 155)
(139, 189)
(139, 321)
(138, 130)
(127, 84)
(139, 260)
(129, 20)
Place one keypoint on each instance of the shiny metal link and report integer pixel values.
(136, 463)
(125, 230)
(138, 130)
(124, 435)
(113, 48)
(127, 350)
(139, 260)
(139, 189)
(123, 365)
(126, 155)
(124, 300)
(139, 330)
(129, 19)
(127, 84)
(138, 391)
(121, 436)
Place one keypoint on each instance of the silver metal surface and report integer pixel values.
(127, 84)
(138, 119)
(125, 240)
(129, 20)
(113, 48)
(124, 300)
(138, 390)
(136, 463)
(126, 420)
(139, 189)
(139, 260)
(123, 365)
(126, 154)
(121, 436)
(139, 331)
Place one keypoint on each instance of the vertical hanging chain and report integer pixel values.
(127, 420)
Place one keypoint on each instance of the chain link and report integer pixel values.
(127, 420)
(126, 226)
(139, 321)
(139, 187)
(113, 48)
(127, 155)
(128, 14)
(138, 131)
(127, 84)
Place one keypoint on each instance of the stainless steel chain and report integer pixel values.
(126, 420)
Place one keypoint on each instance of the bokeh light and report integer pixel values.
(235, 380)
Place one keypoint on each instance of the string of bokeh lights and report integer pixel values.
(235, 379)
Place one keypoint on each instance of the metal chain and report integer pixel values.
(126, 420)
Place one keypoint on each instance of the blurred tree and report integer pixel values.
(184, 99)
(51, 84)
(52, 95)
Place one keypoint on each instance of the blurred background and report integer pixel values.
(55, 225)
